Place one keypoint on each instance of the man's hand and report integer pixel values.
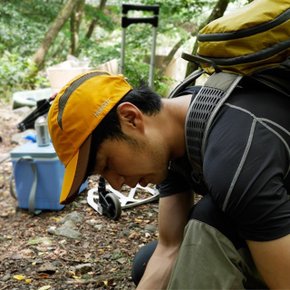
(173, 216)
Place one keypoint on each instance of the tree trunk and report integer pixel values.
(52, 32)
(217, 12)
(75, 22)
(95, 20)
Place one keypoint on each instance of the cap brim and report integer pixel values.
(75, 173)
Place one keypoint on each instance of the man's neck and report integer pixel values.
(173, 114)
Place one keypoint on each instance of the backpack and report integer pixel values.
(252, 42)
(251, 39)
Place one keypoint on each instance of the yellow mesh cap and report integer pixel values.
(74, 114)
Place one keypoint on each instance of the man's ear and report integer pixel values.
(130, 117)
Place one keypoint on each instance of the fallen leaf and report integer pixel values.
(19, 277)
(28, 281)
(43, 276)
(46, 287)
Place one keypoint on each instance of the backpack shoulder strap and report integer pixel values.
(179, 89)
(201, 113)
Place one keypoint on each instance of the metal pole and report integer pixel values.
(123, 51)
(152, 60)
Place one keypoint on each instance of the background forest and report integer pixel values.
(36, 34)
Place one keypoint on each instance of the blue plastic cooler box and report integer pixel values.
(38, 175)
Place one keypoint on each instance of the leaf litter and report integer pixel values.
(33, 257)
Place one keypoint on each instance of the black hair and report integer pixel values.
(146, 100)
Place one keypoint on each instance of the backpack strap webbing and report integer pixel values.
(189, 80)
(201, 113)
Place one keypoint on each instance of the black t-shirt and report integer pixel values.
(246, 163)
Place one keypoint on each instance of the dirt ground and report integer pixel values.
(33, 257)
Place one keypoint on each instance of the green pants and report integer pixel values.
(209, 260)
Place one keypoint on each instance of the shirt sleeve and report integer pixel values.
(174, 183)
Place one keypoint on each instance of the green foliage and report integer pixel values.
(14, 75)
(103, 19)
(23, 24)
(99, 53)
(175, 13)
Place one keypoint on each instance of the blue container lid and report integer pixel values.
(33, 150)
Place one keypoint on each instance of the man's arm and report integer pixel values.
(173, 216)
(272, 259)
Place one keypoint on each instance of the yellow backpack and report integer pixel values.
(248, 40)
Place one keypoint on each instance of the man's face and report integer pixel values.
(131, 162)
